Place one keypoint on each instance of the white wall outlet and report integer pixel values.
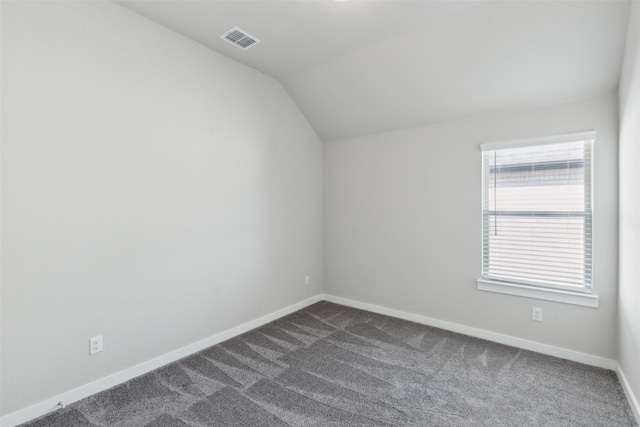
(95, 344)
(536, 314)
(307, 280)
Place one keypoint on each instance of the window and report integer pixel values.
(536, 217)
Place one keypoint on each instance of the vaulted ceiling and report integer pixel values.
(362, 67)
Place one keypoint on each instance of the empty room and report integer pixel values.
(320, 213)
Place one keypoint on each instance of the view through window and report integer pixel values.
(536, 212)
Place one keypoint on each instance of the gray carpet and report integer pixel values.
(330, 365)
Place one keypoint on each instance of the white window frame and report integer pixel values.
(584, 297)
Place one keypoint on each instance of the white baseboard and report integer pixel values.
(550, 350)
(633, 401)
(51, 404)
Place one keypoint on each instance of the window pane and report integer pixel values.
(548, 249)
(537, 215)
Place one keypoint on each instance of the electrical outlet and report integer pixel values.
(95, 345)
(536, 314)
(307, 280)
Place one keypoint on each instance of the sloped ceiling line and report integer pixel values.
(363, 67)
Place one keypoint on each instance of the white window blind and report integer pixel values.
(536, 212)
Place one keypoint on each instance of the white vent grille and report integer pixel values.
(239, 38)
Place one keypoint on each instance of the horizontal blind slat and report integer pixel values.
(536, 207)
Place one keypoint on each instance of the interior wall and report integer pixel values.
(154, 192)
(629, 294)
(403, 225)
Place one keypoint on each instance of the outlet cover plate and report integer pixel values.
(95, 344)
(536, 314)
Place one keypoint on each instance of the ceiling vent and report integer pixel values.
(240, 38)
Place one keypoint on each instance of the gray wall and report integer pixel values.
(402, 225)
(629, 296)
(153, 191)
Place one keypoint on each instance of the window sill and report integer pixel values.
(567, 297)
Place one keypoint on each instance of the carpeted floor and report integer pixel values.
(330, 365)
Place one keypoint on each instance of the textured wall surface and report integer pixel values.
(403, 225)
(629, 296)
(154, 192)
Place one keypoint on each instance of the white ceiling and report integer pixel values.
(295, 34)
(361, 67)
